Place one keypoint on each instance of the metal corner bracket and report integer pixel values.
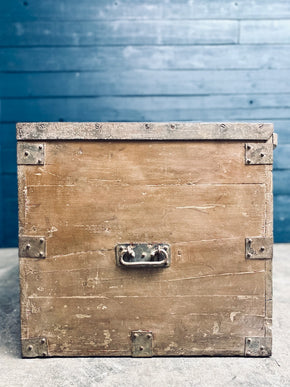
(29, 153)
(258, 346)
(258, 153)
(34, 347)
(259, 248)
(142, 343)
(32, 247)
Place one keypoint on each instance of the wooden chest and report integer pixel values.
(145, 239)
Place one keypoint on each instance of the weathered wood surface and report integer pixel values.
(137, 32)
(101, 58)
(145, 83)
(198, 196)
(143, 131)
(151, 9)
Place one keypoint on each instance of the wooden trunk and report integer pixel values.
(145, 239)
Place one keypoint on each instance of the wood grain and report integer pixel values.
(219, 57)
(198, 196)
(144, 83)
(118, 32)
(151, 9)
(143, 131)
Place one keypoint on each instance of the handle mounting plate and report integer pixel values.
(143, 255)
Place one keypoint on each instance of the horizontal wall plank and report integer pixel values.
(282, 218)
(282, 127)
(281, 181)
(9, 186)
(144, 57)
(265, 31)
(69, 33)
(143, 82)
(150, 9)
(199, 108)
(8, 135)
(9, 160)
(282, 158)
(10, 232)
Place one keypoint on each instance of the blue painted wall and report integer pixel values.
(131, 60)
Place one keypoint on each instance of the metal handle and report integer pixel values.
(143, 255)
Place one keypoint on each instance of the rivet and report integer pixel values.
(143, 255)
(249, 147)
(39, 161)
(43, 354)
(262, 154)
(147, 126)
(262, 248)
(250, 241)
(149, 336)
(30, 347)
(249, 340)
(41, 253)
(248, 161)
(172, 126)
(43, 340)
(141, 348)
(248, 353)
(40, 147)
(135, 335)
(262, 348)
(223, 125)
(41, 240)
(165, 248)
(249, 255)
(26, 153)
(121, 248)
(28, 246)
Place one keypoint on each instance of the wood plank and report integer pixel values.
(212, 305)
(143, 131)
(101, 58)
(282, 218)
(129, 9)
(281, 182)
(184, 198)
(265, 32)
(144, 32)
(143, 83)
(141, 163)
(282, 157)
(204, 108)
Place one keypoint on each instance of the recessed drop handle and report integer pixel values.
(143, 255)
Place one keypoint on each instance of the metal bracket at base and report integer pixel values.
(142, 343)
(32, 247)
(34, 347)
(258, 346)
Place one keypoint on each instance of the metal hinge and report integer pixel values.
(32, 247)
(258, 346)
(259, 248)
(34, 347)
(142, 343)
(30, 153)
(258, 153)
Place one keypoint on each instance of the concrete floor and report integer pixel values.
(14, 371)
